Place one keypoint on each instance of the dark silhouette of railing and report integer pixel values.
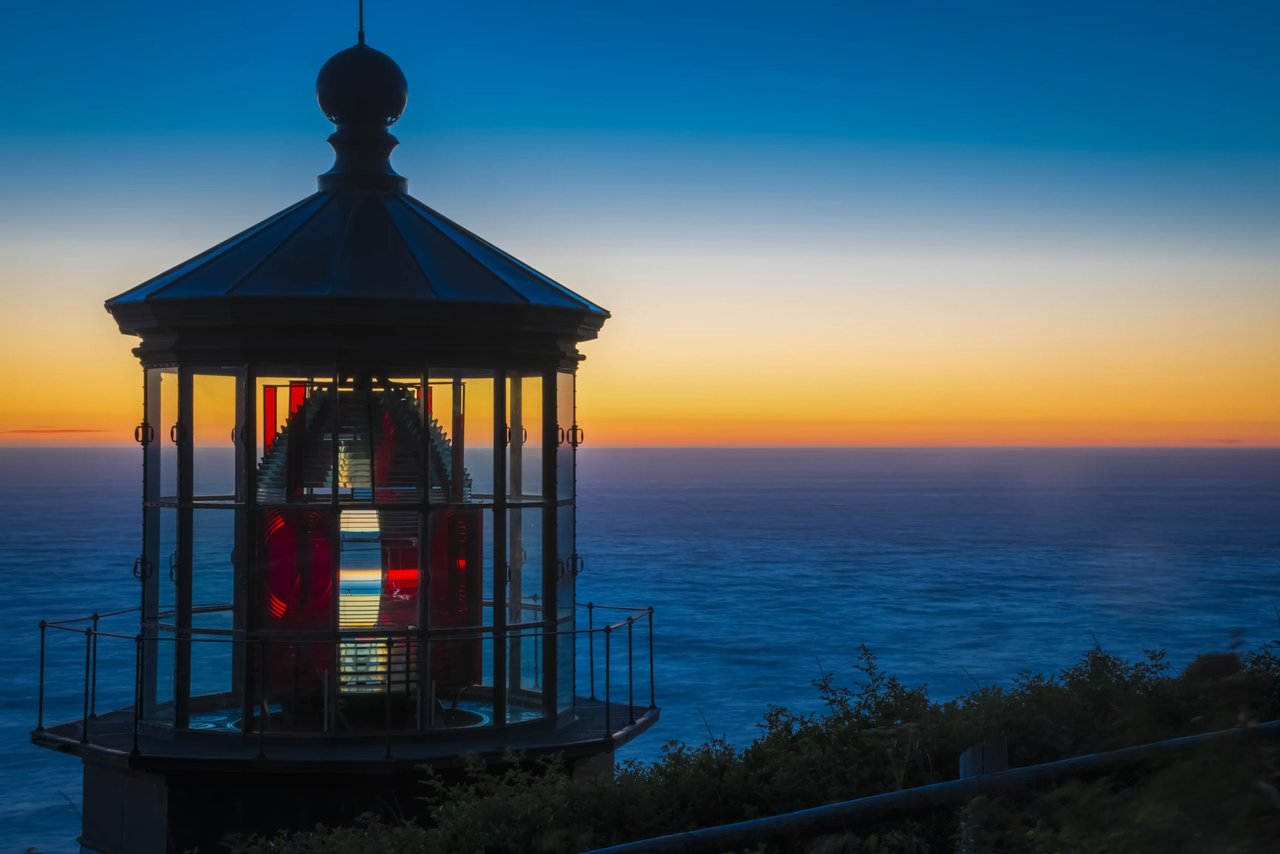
(259, 644)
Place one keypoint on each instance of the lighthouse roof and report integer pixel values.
(359, 256)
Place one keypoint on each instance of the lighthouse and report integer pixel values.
(358, 557)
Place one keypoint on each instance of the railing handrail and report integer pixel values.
(322, 635)
(195, 633)
(154, 631)
(210, 608)
(92, 617)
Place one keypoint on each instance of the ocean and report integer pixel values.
(765, 568)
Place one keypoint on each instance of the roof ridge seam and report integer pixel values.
(215, 252)
(419, 208)
(344, 240)
(280, 245)
(498, 250)
(408, 245)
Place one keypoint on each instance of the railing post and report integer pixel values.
(44, 625)
(93, 692)
(262, 698)
(88, 652)
(427, 670)
(631, 682)
(386, 683)
(608, 730)
(591, 646)
(137, 688)
(652, 705)
(410, 701)
(986, 757)
(421, 700)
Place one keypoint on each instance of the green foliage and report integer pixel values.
(1222, 798)
(878, 735)
(368, 835)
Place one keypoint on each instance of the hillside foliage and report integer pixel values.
(875, 734)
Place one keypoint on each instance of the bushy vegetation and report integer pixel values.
(879, 735)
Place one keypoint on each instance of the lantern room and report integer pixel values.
(401, 530)
(358, 554)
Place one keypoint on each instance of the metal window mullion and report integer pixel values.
(515, 526)
(246, 525)
(335, 392)
(424, 582)
(550, 551)
(150, 581)
(499, 548)
(186, 525)
(370, 408)
(457, 486)
(333, 676)
(242, 553)
(571, 566)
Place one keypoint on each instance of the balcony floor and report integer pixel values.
(111, 741)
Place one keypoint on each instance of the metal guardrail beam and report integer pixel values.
(838, 817)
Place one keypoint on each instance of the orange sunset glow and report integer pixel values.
(1142, 352)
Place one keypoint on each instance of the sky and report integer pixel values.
(814, 223)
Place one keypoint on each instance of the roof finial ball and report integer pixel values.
(361, 86)
(363, 92)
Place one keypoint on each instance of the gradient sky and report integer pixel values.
(814, 223)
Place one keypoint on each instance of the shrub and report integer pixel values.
(879, 735)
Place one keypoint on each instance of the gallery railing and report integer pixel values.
(612, 659)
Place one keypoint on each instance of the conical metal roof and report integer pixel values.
(359, 256)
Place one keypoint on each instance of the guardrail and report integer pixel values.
(844, 816)
(260, 644)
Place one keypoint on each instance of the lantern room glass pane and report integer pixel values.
(480, 437)
(459, 597)
(292, 598)
(461, 438)
(213, 399)
(566, 574)
(296, 416)
(460, 561)
(567, 561)
(524, 614)
(212, 616)
(564, 664)
(160, 651)
(524, 561)
(165, 432)
(452, 706)
(524, 439)
(167, 563)
(567, 436)
(524, 673)
(379, 589)
(437, 407)
(165, 641)
(396, 440)
(379, 436)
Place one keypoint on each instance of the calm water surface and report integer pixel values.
(762, 566)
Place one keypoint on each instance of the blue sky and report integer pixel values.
(1101, 77)
(709, 171)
